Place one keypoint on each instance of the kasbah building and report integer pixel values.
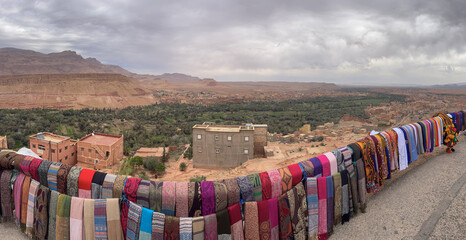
(96, 150)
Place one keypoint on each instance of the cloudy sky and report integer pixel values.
(346, 42)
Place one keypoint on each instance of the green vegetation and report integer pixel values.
(183, 166)
(171, 124)
(189, 153)
(197, 179)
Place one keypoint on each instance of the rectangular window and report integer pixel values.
(216, 138)
(246, 139)
(82, 149)
(33, 145)
(199, 136)
(96, 152)
(66, 147)
(53, 150)
(217, 150)
(41, 147)
(107, 154)
(72, 154)
(96, 161)
(66, 157)
(59, 150)
(246, 151)
(60, 160)
(89, 150)
(229, 138)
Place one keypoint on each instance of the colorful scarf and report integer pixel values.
(210, 224)
(339, 157)
(40, 212)
(369, 167)
(18, 161)
(172, 228)
(266, 185)
(361, 185)
(168, 198)
(158, 226)
(134, 218)
(52, 176)
(354, 197)
(6, 159)
(221, 196)
(286, 231)
(251, 221)
(247, 191)
(107, 186)
(286, 179)
(34, 187)
(96, 186)
(337, 196)
(63, 217)
(76, 218)
(24, 200)
(317, 167)
(256, 185)
(186, 228)
(89, 226)
(118, 186)
(18, 187)
(276, 183)
(62, 178)
(25, 162)
(345, 202)
(298, 211)
(233, 191)
(142, 195)
(296, 174)
(307, 168)
(264, 220)
(113, 219)
(325, 165)
(33, 168)
(72, 181)
(330, 203)
(236, 222)
(130, 192)
(198, 228)
(194, 200)
(208, 198)
(333, 162)
(85, 183)
(181, 205)
(273, 215)
(100, 219)
(312, 208)
(322, 195)
(42, 171)
(52, 214)
(145, 232)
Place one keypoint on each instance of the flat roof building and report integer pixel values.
(98, 150)
(53, 147)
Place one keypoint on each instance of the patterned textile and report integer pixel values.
(24, 200)
(236, 222)
(107, 186)
(118, 186)
(307, 168)
(156, 196)
(286, 179)
(337, 197)
(339, 157)
(345, 201)
(276, 183)
(194, 199)
(52, 176)
(325, 165)
(273, 215)
(181, 193)
(52, 214)
(371, 176)
(361, 184)
(221, 196)
(312, 208)
(266, 185)
(42, 171)
(96, 186)
(62, 177)
(100, 219)
(85, 183)
(34, 187)
(63, 217)
(76, 218)
(130, 192)
(247, 191)
(172, 228)
(317, 167)
(168, 198)
(18, 186)
(134, 218)
(6, 158)
(354, 204)
(322, 196)
(210, 227)
(158, 226)
(223, 222)
(145, 230)
(72, 181)
(186, 228)
(198, 228)
(113, 219)
(25, 163)
(40, 213)
(7, 211)
(18, 161)
(264, 220)
(88, 215)
(251, 221)
(233, 191)
(142, 196)
(348, 157)
(330, 203)
(256, 185)
(33, 168)
(208, 198)
(298, 211)
(286, 231)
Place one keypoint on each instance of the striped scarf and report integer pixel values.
(34, 187)
(233, 191)
(186, 228)
(72, 181)
(221, 196)
(172, 228)
(53, 214)
(63, 217)
(247, 191)
(142, 196)
(236, 222)
(208, 198)
(198, 228)
(134, 218)
(33, 168)
(322, 196)
(113, 219)
(210, 224)
(100, 219)
(76, 218)
(181, 193)
(18, 187)
(264, 219)
(307, 168)
(145, 229)
(275, 182)
(24, 201)
(158, 226)
(256, 185)
(52, 176)
(42, 171)
(107, 186)
(40, 212)
(312, 208)
(25, 163)
(89, 226)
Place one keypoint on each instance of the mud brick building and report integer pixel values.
(98, 150)
(54, 147)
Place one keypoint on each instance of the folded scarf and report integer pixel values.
(145, 230)
(168, 198)
(247, 191)
(198, 228)
(34, 187)
(286, 232)
(172, 228)
(53, 214)
(347, 158)
(266, 185)
(210, 227)
(322, 196)
(134, 219)
(339, 157)
(63, 217)
(43, 171)
(76, 218)
(337, 198)
(89, 226)
(186, 228)
(24, 201)
(298, 211)
(275, 182)
(113, 219)
(107, 186)
(368, 165)
(317, 167)
(208, 198)
(18, 161)
(40, 212)
(251, 221)
(130, 191)
(194, 199)
(96, 186)
(52, 176)
(264, 219)
(273, 215)
(85, 183)
(296, 173)
(221, 196)
(361, 184)
(100, 219)
(72, 181)
(307, 168)
(256, 185)
(236, 222)
(156, 196)
(62, 178)
(18, 187)
(223, 222)
(345, 202)
(325, 165)
(286, 179)
(158, 226)
(6, 159)
(181, 203)
(25, 163)
(330, 207)
(143, 194)
(312, 208)
(333, 162)
(33, 168)
(233, 191)
(118, 186)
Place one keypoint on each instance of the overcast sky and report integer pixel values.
(345, 42)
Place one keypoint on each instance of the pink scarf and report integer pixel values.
(322, 196)
(333, 162)
(17, 196)
(76, 218)
(325, 165)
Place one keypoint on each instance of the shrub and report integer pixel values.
(183, 166)
(189, 153)
(150, 163)
(142, 175)
(198, 178)
(159, 167)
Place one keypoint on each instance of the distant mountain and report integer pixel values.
(177, 78)
(455, 86)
